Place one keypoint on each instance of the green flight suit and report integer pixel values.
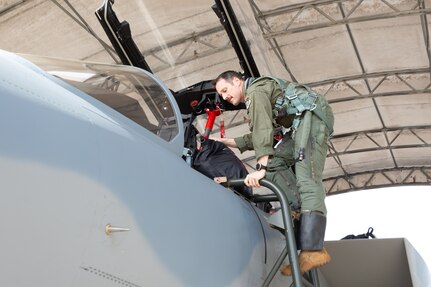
(304, 188)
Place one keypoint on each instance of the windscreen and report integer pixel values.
(127, 90)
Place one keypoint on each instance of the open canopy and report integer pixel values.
(370, 59)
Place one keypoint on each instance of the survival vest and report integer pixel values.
(293, 101)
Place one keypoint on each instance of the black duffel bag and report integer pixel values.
(215, 159)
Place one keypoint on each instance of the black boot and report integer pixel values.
(311, 237)
(312, 231)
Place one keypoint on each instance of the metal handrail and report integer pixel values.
(290, 248)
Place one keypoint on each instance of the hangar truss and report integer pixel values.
(370, 59)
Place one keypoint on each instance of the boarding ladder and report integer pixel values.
(289, 234)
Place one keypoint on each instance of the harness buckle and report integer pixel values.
(279, 102)
(313, 107)
(292, 96)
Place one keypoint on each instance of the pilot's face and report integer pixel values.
(231, 91)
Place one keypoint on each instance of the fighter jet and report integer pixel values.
(96, 192)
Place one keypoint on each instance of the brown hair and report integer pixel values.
(227, 76)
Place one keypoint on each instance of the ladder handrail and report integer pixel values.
(290, 248)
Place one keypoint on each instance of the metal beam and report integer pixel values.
(75, 16)
(376, 107)
(424, 23)
(409, 128)
(401, 176)
(349, 181)
(7, 7)
(369, 75)
(273, 43)
(410, 90)
(345, 19)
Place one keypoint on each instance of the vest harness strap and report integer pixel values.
(294, 100)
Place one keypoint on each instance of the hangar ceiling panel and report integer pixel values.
(312, 54)
(388, 43)
(370, 59)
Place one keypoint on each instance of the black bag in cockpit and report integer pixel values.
(215, 159)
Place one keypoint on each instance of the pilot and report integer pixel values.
(307, 121)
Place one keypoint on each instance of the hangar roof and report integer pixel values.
(370, 58)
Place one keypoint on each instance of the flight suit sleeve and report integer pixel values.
(260, 112)
(244, 143)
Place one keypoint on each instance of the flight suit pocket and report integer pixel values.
(286, 150)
